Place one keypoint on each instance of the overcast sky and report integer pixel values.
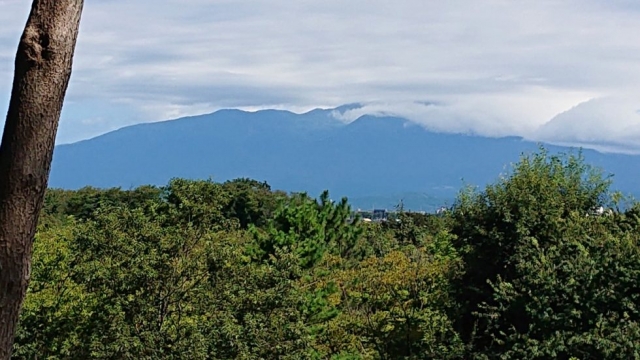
(563, 71)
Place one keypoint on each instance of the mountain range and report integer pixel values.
(374, 160)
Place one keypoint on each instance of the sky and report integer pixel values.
(566, 72)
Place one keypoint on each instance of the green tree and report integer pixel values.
(195, 203)
(251, 202)
(535, 254)
(56, 309)
(390, 307)
(309, 228)
(576, 297)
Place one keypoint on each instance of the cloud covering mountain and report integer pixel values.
(607, 124)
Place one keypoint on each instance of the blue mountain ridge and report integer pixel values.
(375, 161)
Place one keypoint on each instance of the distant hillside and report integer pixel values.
(369, 159)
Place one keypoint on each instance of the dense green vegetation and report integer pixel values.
(527, 268)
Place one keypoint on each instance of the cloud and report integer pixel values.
(489, 114)
(609, 124)
(490, 67)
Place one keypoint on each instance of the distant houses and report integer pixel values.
(378, 215)
(375, 215)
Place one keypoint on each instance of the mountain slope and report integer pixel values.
(311, 152)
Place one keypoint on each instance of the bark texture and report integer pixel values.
(42, 72)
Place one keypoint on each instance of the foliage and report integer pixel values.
(527, 268)
(252, 202)
(547, 275)
(391, 307)
(309, 228)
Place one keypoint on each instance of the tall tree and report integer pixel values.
(42, 72)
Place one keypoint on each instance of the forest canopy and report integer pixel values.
(542, 264)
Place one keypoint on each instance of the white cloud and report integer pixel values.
(610, 124)
(487, 114)
(492, 67)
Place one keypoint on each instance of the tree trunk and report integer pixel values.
(42, 71)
